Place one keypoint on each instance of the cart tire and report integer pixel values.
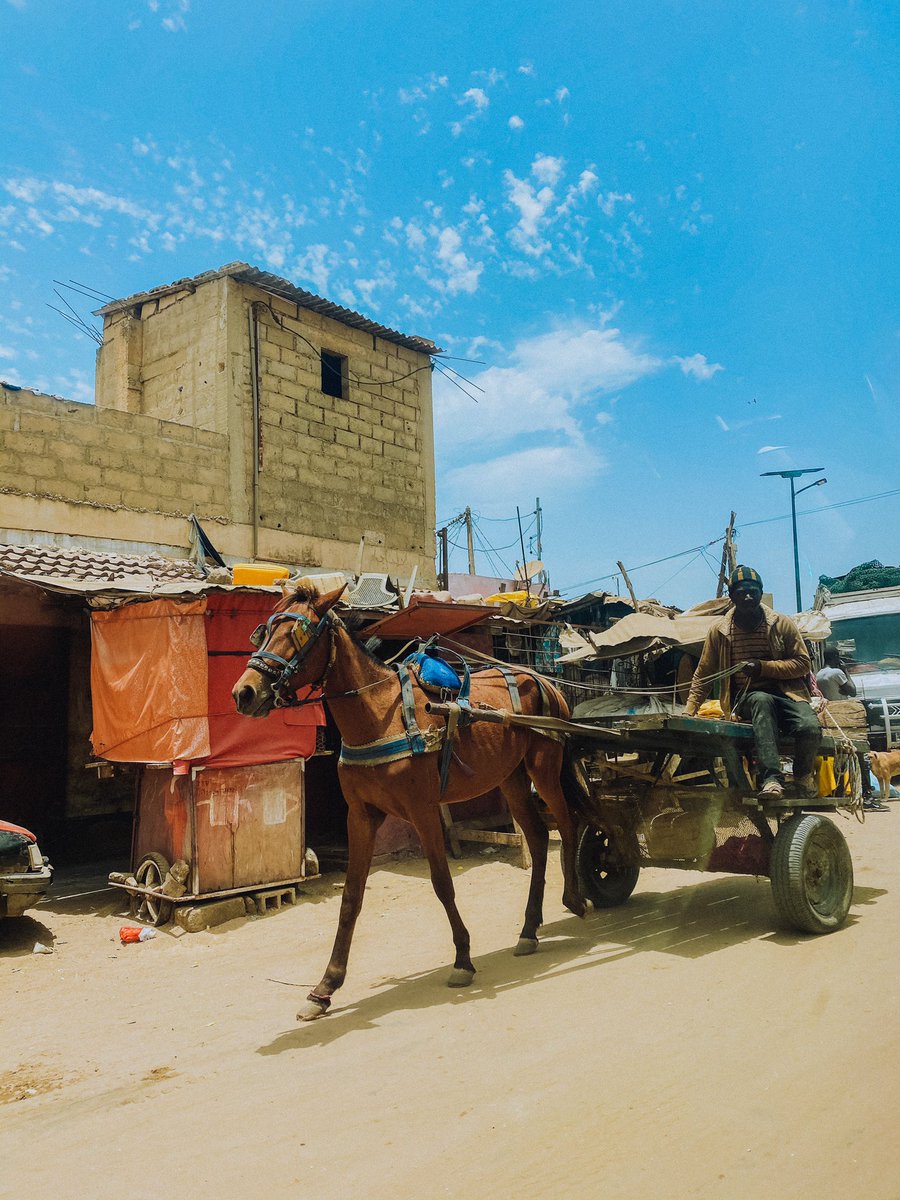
(812, 873)
(606, 876)
(151, 872)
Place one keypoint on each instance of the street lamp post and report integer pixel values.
(792, 475)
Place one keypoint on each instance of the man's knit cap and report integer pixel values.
(744, 575)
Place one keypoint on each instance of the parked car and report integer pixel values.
(25, 874)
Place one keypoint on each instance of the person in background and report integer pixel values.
(834, 683)
(771, 688)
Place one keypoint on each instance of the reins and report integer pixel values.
(280, 671)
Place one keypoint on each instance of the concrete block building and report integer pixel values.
(297, 432)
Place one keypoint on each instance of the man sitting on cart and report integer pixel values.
(770, 689)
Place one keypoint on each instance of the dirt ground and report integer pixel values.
(680, 1046)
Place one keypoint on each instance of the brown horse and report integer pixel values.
(305, 643)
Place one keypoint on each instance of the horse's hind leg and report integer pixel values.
(517, 793)
(427, 824)
(544, 764)
(362, 825)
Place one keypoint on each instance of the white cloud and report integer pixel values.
(562, 94)
(174, 22)
(609, 200)
(550, 378)
(697, 366)
(769, 449)
(532, 206)
(313, 265)
(515, 122)
(477, 97)
(547, 169)
(27, 190)
(461, 273)
(556, 468)
(421, 91)
(526, 69)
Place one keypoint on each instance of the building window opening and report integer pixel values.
(334, 375)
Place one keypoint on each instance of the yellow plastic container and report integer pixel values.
(827, 783)
(523, 599)
(258, 574)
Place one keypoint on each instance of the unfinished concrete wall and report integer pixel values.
(167, 358)
(343, 467)
(73, 469)
(188, 419)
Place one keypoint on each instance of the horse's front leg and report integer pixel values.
(428, 826)
(362, 825)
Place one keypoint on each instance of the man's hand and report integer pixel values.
(753, 669)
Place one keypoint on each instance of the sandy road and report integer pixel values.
(680, 1046)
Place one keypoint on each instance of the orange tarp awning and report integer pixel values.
(161, 680)
(149, 682)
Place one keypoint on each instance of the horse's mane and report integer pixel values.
(304, 594)
(300, 595)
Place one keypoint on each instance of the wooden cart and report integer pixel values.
(674, 791)
(238, 830)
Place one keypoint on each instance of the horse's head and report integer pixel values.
(293, 649)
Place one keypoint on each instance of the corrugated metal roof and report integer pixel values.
(276, 286)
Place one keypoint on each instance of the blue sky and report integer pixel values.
(668, 232)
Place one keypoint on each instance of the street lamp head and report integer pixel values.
(815, 483)
(795, 492)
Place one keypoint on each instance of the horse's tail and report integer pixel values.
(553, 702)
(574, 787)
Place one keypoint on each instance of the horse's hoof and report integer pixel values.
(525, 946)
(460, 977)
(311, 1011)
(576, 905)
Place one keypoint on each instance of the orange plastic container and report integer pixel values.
(260, 574)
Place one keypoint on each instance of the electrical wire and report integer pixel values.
(441, 370)
(806, 512)
(744, 525)
(279, 321)
(643, 566)
(468, 381)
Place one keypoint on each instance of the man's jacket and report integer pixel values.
(788, 665)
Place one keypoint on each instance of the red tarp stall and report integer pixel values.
(161, 678)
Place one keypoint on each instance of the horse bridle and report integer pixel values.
(280, 671)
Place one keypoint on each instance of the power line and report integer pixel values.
(744, 525)
(824, 508)
(447, 375)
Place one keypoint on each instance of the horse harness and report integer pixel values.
(393, 748)
(280, 671)
(413, 740)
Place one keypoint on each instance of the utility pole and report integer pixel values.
(522, 544)
(727, 564)
(444, 573)
(624, 574)
(544, 576)
(469, 543)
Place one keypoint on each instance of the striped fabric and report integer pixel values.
(744, 575)
(752, 646)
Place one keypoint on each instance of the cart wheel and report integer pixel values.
(812, 873)
(150, 873)
(607, 878)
